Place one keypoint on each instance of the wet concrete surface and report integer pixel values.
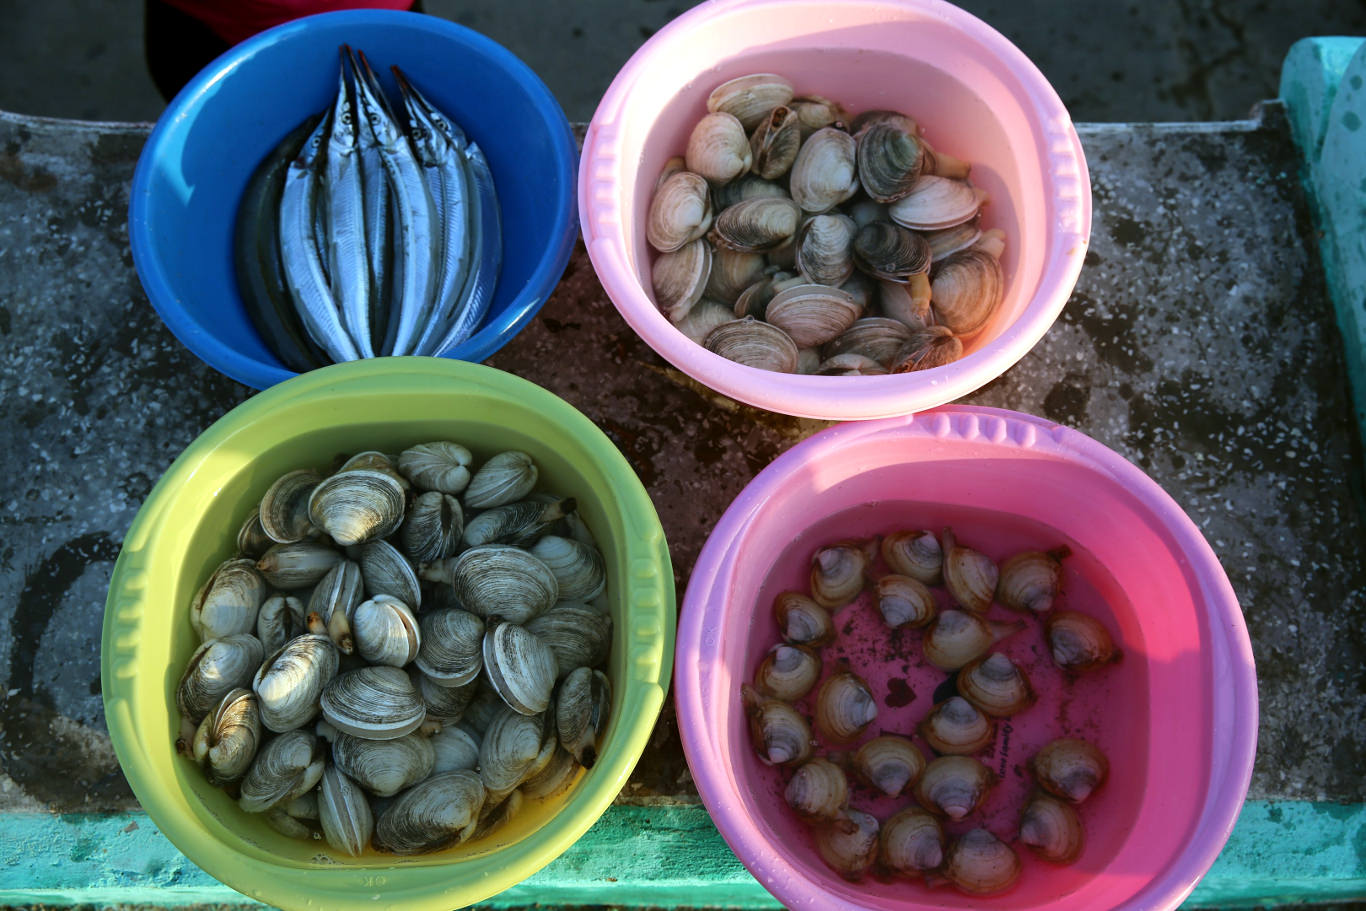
(1199, 343)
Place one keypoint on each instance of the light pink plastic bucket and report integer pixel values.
(1177, 716)
(975, 95)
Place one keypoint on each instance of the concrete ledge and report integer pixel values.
(1323, 84)
(1280, 852)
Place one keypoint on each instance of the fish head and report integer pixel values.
(343, 128)
(376, 119)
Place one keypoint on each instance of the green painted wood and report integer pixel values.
(1279, 853)
(1323, 85)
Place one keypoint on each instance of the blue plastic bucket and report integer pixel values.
(202, 151)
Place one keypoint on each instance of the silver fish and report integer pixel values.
(414, 221)
(487, 254)
(440, 147)
(348, 264)
(303, 265)
(378, 203)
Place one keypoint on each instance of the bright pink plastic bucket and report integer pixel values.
(974, 93)
(1177, 716)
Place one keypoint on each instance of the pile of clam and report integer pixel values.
(793, 239)
(939, 833)
(402, 652)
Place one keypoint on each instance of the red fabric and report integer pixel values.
(237, 20)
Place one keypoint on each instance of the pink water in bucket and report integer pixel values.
(975, 95)
(1177, 716)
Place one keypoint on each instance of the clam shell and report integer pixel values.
(440, 465)
(866, 119)
(284, 507)
(433, 527)
(385, 631)
(452, 647)
(954, 786)
(907, 302)
(557, 775)
(679, 278)
(815, 112)
(788, 672)
(930, 347)
(718, 148)
(357, 506)
(583, 705)
(334, 599)
(756, 225)
(344, 812)
(228, 601)
(888, 251)
(500, 580)
(280, 619)
(680, 211)
(753, 301)
(508, 749)
(731, 273)
(227, 739)
(578, 635)
(775, 142)
(825, 172)
(890, 160)
(1079, 642)
(433, 814)
(376, 703)
(848, 846)
(579, 569)
(849, 365)
(1070, 768)
(252, 540)
(948, 241)
(445, 704)
(914, 553)
(904, 601)
(995, 685)
(911, 842)
(839, 572)
(780, 734)
(956, 637)
(385, 571)
(825, 249)
(979, 863)
(290, 681)
(518, 524)
(374, 460)
(812, 314)
(818, 790)
(297, 565)
(749, 186)
(287, 767)
(967, 289)
(890, 763)
(801, 620)
(844, 707)
(454, 747)
(702, 318)
(505, 478)
(936, 203)
(1051, 828)
(755, 344)
(217, 667)
(955, 726)
(384, 767)
(520, 667)
(749, 98)
(874, 337)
